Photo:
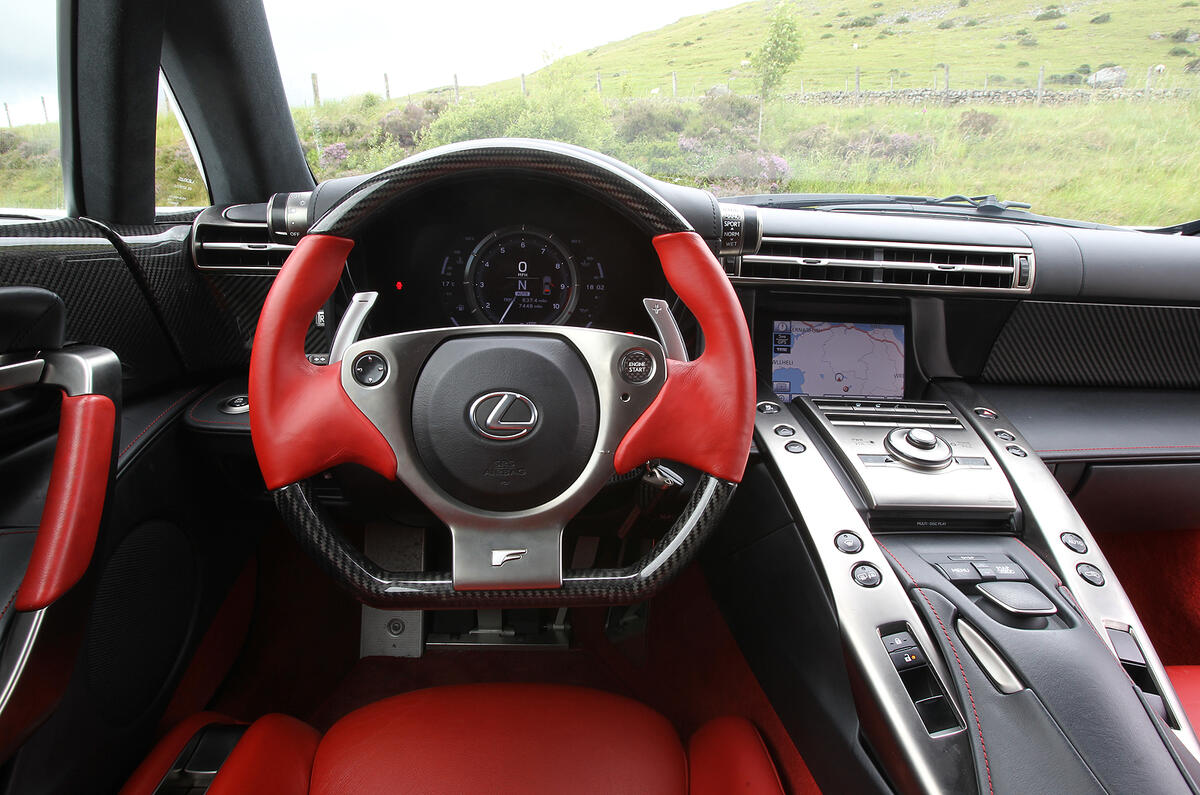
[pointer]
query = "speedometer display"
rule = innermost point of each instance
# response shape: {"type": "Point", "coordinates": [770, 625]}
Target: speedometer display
{"type": "Point", "coordinates": [520, 275]}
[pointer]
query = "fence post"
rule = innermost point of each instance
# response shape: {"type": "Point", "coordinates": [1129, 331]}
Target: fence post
{"type": "Point", "coordinates": [985, 82]}
{"type": "Point", "coordinates": [674, 85]}
{"type": "Point", "coordinates": [45, 114]}
{"type": "Point", "coordinates": [316, 90]}
{"type": "Point", "coordinates": [858, 84]}
{"type": "Point", "coordinates": [387, 89]}
{"type": "Point", "coordinates": [598, 89]}
{"type": "Point", "coordinates": [456, 89]}
{"type": "Point", "coordinates": [947, 87]}
{"type": "Point", "coordinates": [6, 116]}
{"type": "Point", "coordinates": [524, 93]}
{"type": "Point", "coordinates": [1041, 83]}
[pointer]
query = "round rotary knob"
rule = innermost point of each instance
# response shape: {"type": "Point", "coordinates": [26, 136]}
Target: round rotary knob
{"type": "Point", "coordinates": [921, 438]}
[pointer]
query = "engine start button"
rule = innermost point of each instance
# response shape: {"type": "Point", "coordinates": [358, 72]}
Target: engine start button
{"type": "Point", "coordinates": [636, 366]}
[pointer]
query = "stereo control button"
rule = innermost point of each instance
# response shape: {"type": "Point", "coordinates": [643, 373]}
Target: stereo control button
{"type": "Point", "coordinates": [369, 369]}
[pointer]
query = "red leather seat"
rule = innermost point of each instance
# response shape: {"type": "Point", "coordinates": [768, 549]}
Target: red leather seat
{"type": "Point", "coordinates": [1186, 681]}
{"type": "Point", "coordinates": [484, 738]}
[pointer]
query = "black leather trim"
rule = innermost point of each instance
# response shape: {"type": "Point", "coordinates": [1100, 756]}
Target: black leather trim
{"type": "Point", "coordinates": [205, 415]}
{"type": "Point", "coordinates": [16, 545]}
{"type": "Point", "coordinates": [141, 422]}
{"type": "Point", "coordinates": [1084, 694]}
{"type": "Point", "coordinates": [1065, 424]}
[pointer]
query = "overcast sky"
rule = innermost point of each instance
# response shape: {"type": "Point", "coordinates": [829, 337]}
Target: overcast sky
{"type": "Point", "coordinates": [350, 44]}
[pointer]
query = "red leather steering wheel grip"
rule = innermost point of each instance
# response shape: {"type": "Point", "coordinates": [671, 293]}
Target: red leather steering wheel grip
{"type": "Point", "coordinates": [704, 416]}
{"type": "Point", "coordinates": [301, 420]}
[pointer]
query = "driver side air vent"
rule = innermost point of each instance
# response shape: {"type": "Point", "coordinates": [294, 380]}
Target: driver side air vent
{"type": "Point", "coordinates": [230, 241]}
{"type": "Point", "coordinates": [911, 266]}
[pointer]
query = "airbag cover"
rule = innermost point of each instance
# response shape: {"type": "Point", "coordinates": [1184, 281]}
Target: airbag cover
{"type": "Point", "coordinates": [505, 422]}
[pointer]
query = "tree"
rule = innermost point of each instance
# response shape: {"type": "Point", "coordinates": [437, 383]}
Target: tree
{"type": "Point", "coordinates": [779, 51]}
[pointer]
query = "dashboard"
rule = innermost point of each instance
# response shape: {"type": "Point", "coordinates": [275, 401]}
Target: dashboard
{"type": "Point", "coordinates": [506, 250]}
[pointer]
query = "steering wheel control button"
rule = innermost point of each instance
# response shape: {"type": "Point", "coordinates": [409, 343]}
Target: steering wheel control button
{"type": "Point", "coordinates": [237, 404]}
{"type": "Point", "coordinates": [767, 407]}
{"type": "Point", "coordinates": [866, 575]}
{"type": "Point", "coordinates": [907, 658]}
{"type": "Point", "coordinates": [795, 447]}
{"type": "Point", "coordinates": [921, 438]}
{"type": "Point", "coordinates": [636, 366]}
{"type": "Point", "coordinates": [1091, 574]}
{"type": "Point", "coordinates": [1017, 451]}
{"type": "Point", "coordinates": [785, 430]}
{"type": "Point", "coordinates": [369, 369]}
{"type": "Point", "coordinates": [848, 542]}
{"type": "Point", "coordinates": [919, 447]}
{"type": "Point", "coordinates": [987, 414]}
{"type": "Point", "coordinates": [897, 641]}
{"type": "Point", "coordinates": [1005, 436]}
{"type": "Point", "coordinates": [1075, 543]}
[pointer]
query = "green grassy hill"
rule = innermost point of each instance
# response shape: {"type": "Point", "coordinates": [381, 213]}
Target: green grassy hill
{"type": "Point", "coordinates": [903, 43]}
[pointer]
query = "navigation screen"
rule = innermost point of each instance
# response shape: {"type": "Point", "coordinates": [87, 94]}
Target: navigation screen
{"type": "Point", "coordinates": [824, 359]}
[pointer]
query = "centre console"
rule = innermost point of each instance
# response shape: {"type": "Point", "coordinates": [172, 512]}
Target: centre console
{"type": "Point", "coordinates": [985, 642]}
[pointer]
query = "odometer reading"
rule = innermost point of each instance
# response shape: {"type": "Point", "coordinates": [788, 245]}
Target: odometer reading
{"type": "Point", "coordinates": [520, 275]}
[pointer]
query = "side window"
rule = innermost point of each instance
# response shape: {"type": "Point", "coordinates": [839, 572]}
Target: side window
{"type": "Point", "coordinates": [178, 181]}
{"type": "Point", "coordinates": [30, 164]}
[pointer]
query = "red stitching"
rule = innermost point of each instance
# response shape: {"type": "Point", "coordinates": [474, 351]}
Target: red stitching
{"type": "Point", "coordinates": [16, 532]}
{"type": "Point", "coordinates": [10, 601]}
{"type": "Point", "coordinates": [154, 421]}
{"type": "Point", "coordinates": [961, 671]}
{"type": "Point", "coordinates": [192, 412]}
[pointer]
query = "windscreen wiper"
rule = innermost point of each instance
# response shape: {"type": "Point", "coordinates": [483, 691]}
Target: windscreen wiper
{"type": "Point", "coordinates": [1187, 229]}
{"type": "Point", "coordinates": [984, 204]}
{"type": "Point", "coordinates": [795, 201]}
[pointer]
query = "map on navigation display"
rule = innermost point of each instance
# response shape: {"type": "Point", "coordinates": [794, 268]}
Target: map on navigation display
{"type": "Point", "coordinates": [826, 359]}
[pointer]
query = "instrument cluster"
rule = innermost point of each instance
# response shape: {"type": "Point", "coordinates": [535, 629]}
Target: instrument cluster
{"type": "Point", "coordinates": [507, 251]}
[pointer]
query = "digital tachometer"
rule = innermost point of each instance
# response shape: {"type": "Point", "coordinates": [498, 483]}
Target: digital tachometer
{"type": "Point", "coordinates": [520, 275]}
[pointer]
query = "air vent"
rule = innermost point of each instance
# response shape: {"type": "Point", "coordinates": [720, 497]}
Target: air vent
{"type": "Point", "coordinates": [912, 266]}
{"type": "Point", "coordinates": [219, 243]}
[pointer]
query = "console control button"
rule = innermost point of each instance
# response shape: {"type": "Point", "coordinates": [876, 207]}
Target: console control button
{"type": "Point", "coordinates": [795, 447]}
{"type": "Point", "coordinates": [959, 572]}
{"type": "Point", "coordinates": [987, 414]}
{"type": "Point", "coordinates": [866, 575]}
{"type": "Point", "coordinates": [907, 658]}
{"type": "Point", "coordinates": [1007, 570]}
{"type": "Point", "coordinates": [636, 366]}
{"type": "Point", "coordinates": [1005, 436]}
{"type": "Point", "coordinates": [918, 447]}
{"type": "Point", "coordinates": [1075, 543]}
{"type": "Point", "coordinates": [1018, 598]}
{"type": "Point", "coordinates": [986, 571]}
{"type": "Point", "coordinates": [848, 542]}
{"type": "Point", "coordinates": [898, 640]}
{"type": "Point", "coordinates": [1017, 451]}
{"type": "Point", "coordinates": [922, 438]}
{"type": "Point", "coordinates": [785, 430]}
{"type": "Point", "coordinates": [767, 407]}
{"type": "Point", "coordinates": [1090, 573]}
{"type": "Point", "coordinates": [369, 369]}
{"type": "Point", "coordinates": [238, 404]}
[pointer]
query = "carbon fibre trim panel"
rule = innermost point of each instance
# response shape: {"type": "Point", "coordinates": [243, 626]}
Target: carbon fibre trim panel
{"type": "Point", "coordinates": [1097, 345]}
{"type": "Point", "coordinates": [105, 306]}
{"type": "Point", "coordinates": [638, 201]}
{"type": "Point", "coordinates": [433, 590]}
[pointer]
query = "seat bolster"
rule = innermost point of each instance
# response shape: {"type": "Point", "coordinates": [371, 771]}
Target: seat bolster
{"type": "Point", "coordinates": [1186, 681]}
{"type": "Point", "coordinates": [274, 755]}
{"type": "Point", "coordinates": [727, 755]}
{"type": "Point", "coordinates": [152, 769]}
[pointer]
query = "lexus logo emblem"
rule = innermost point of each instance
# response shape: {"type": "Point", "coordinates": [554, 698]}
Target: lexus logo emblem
{"type": "Point", "coordinates": [503, 415]}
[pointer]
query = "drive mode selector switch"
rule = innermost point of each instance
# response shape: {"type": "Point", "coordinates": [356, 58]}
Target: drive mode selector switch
{"type": "Point", "coordinates": [919, 447]}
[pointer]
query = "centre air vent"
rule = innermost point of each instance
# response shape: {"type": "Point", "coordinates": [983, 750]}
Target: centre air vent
{"type": "Point", "coordinates": [913, 266]}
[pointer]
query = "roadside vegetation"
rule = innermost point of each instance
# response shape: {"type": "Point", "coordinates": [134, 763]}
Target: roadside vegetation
{"type": "Point", "coordinates": [862, 110]}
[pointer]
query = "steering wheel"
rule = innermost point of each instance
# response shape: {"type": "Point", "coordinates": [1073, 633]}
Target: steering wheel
{"type": "Point", "coordinates": [503, 432]}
